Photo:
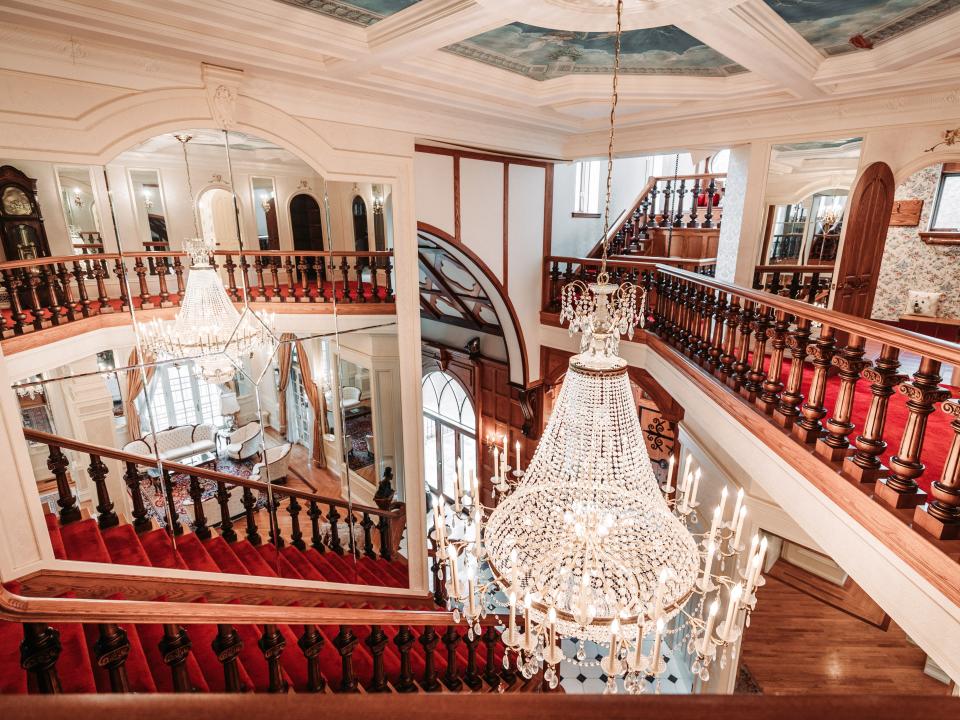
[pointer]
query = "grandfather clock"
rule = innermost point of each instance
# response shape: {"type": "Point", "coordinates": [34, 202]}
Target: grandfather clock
{"type": "Point", "coordinates": [21, 223]}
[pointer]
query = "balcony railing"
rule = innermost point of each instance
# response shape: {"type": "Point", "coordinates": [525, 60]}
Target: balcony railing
{"type": "Point", "coordinates": [808, 283]}
{"type": "Point", "coordinates": [50, 291]}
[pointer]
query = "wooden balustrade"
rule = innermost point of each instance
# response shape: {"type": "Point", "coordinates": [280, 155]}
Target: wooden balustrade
{"type": "Point", "coordinates": [50, 291]}
{"type": "Point", "coordinates": [687, 202]}
{"type": "Point", "coordinates": [809, 283]}
{"type": "Point", "coordinates": [278, 499]}
{"type": "Point", "coordinates": [742, 337]}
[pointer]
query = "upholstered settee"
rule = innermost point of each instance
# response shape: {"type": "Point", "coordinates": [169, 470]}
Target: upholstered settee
{"type": "Point", "coordinates": [176, 443]}
{"type": "Point", "coordinates": [274, 466]}
{"type": "Point", "coordinates": [244, 442]}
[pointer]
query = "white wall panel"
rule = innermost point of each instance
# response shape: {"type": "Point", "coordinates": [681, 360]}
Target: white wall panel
{"type": "Point", "coordinates": [433, 190]}
{"type": "Point", "coordinates": [525, 232]}
{"type": "Point", "coordinates": [481, 211]}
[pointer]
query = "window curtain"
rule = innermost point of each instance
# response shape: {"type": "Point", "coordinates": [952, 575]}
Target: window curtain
{"type": "Point", "coordinates": [134, 388]}
{"type": "Point", "coordinates": [317, 404]}
{"type": "Point", "coordinates": [284, 361]}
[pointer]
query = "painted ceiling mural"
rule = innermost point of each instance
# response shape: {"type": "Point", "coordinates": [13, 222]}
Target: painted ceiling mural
{"type": "Point", "coordinates": [359, 12]}
{"type": "Point", "coordinates": [541, 53]}
{"type": "Point", "coordinates": [829, 25]}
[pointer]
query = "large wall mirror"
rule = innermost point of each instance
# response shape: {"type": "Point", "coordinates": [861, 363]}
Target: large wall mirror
{"type": "Point", "coordinates": [806, 198]}
{"type": "Point", "coordinates": [285, 430]}
{"type": "Point", "coordinates": [78, 199]}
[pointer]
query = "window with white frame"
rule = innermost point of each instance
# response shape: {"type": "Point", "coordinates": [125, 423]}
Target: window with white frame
{"type": "Point", "coordinates": [178, 397]}
{"type": "Point", "coordinates": [946, 207]}
{"type": "Point", "coordinates": [587, 198]}
{"type": "Point", "coordinates": [298, 408]}
{"type": "Point", "coordinates": [449, 432]}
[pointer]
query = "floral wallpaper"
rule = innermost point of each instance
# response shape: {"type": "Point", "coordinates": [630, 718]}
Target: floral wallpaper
{"type": "Point", "coordinates": [911, 264]}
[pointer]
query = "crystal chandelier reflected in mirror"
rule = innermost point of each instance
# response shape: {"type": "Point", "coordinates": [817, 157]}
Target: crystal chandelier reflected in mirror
{"type": "Point", "coordinates": [208, 329]}
{"type": "Point", "coordinates": [585, 543]}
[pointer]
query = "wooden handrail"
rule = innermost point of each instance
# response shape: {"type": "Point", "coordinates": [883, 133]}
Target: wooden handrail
{"type": "Point", "coordinates": [941, 350]}
{"type": "Point", "coordinates": [822, 268]}
{"type": "Point", "coordinates": [54, 259]}
{"type": "Point", "coordinates": [644, 263]}
{"type": "Point", "coordinates": [200, 472]}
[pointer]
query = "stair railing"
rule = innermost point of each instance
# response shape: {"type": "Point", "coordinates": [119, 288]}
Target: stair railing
{"type": "Point", "coordinates": [314, 506]}
{"type": "Point", "coordinates": [807, 283]}
{"type": "Point", "coordinates": [49, 291]}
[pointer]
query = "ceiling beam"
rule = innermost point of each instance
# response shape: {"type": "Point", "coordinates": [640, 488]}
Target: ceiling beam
{"type": "Point", "coordinates": [450, 294]}
{"type": "Point", "coordinates": [754, 36]}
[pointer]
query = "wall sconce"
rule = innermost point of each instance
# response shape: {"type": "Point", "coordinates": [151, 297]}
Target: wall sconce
{"type": "Point", "coordinates": [77, 197]}
{"type": "Point", "coordinates": [147, 199]}
{"type": "Point", "coordinates": [378, 199]}
{"type": "Point", "coordinates": [266, 201]}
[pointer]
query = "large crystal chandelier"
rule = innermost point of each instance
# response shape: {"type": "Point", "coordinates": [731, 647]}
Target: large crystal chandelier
{"type": "Point", "coordinates": [585, 543]}
{"type": "Point", "coordinates": [208, 328]}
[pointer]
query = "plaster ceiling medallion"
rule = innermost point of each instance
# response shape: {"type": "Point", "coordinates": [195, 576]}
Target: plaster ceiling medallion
{"type": "Point", "coordinates": [594, 15]}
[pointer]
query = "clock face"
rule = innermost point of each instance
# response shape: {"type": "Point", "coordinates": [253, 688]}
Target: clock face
{"type": "Point", "coordinates": [15, 201]}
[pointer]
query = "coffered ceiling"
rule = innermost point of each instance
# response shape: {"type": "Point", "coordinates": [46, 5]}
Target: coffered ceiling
{"type": "Point", "coordinates": [545, 64]}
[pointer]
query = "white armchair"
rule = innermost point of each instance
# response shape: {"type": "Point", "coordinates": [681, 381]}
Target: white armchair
{"type": "Point", "coordinates": [276, 462]}
{"type": "Point", "coordinates": [244, 442]}
{"type": "Point", "coordinates": [349, 396]}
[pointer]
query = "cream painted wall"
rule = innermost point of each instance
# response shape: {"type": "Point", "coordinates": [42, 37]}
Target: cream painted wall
{"type": "Point", "coordinates": [481, 210]}
{"type": "Point", "coordinates": [525, 232]}
{"type": "Point", "coordinates": [433, 175]}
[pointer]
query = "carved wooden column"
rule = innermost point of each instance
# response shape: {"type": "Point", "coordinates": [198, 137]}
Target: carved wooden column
{"type": "Point", "coordinates": [472, 674]}
{"type": "Point", "coordinates": [788, 409]}
{"type": "Point", "coordinates": [227, 645]}
{"type": "Point", "coordinates": [404, 642]}
{"type": "Point", "coordinates": [899, 489]}
{"type": "Point", "coordinates": [311, 643]}
{"type": "Point", "coordinates": [39, 652]}
{"type": "Point", "coordinates": [808, 428]}
{"type": "Point", "coordinates": [429, 640]}
{"type": "Point", "coordinates": [744, 330]}
{"type": "Point", "coordinates": [175, 647]}
{"type": "Point", "coordinates": [315, 513]}
{"type": "Point", "coordinates": [754, 382]}
{"type": "Point", "coordinates": [176, 528]}
{"type": "Point", "coordinates": [714, 348]}
{"type": "Point", "coordinates": [57, 463]}
{"type": "Point", "coordinates": [377, 642]}
{"type": "Point", "coordinates": [200, 528]}
{"type": "Point", "coordinates": [111, 650]}
{"type": "Point", "coordinates": [771, 387]}
{"type": "Point", "coordinates": [731, 318]}
{"type": "Point", "coordinates": [332, 517]}
{"type": "Point", "coordinates": [490, 637]}
{"type": "Point", "coordinates": [271, 644]}
{"type": "Point", "coordinates": [941, 517]}
{"type": "Point", "coordinates": [834, 445]}
{"type": "Point", "coordinates": [133, 478]}
{"type": "Point", "coordinates": [226, 522]}
{"type": "Point", "coordinates": [345, 642]}
{"type": "Point", "coordinates": [451, 678]}
{"type": "Point", "coordinates": [864, 466]}
{"type": "Point", "coordinates": [106, 517]}
{"type": "Point", "coordinates": [249, 508]}
{"type": "Point", "coordinates": [296, 535]}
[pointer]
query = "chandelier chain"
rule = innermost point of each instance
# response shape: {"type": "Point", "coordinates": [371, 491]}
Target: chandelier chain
{"type": "Point", "coordinates": [613, 115]}
{"type": "Point", "coordinates": [184, 139]}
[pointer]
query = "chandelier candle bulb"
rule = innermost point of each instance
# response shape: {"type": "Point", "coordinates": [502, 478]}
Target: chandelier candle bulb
{"type": "Point", "coordinates": [715, 524]}
{"type": "Point", "coordinates": [638, 648]}
{"type": "Point", "coordinates": [686, 464]}
{"type": "Point", "coordinates": [728, 628]}
{"type": "Point", "coordinates": [739, 530]}
{"type": "Point", "coordinates": [670, 464]}
{"type": "Point", "coordinates": [736, 507]}
{"type": "Point", "coordinates": [707, 643]}
{"type": "Point", "coordinates": [751, 575]}
{"type": "Point", "coordinates": [529, 636]}
{"type": "Point", "coordinates": [696, 488]}
{"type": "Point", "coordinates": [708, 566]}
{"type": "Point", "coordinates": [723, 503]}
{"type": "Point", "coordinates": [471, 591]}
{"type": "Point", "coordinates": [513, 616]}
{"type": "Point", "coordinates": [518, 455]}
{"type": "Point", "coordinates": [453, 560]}
{"type": "Point", "coordinates": [655, 659]}
{"type": "Point", "coordinates": [761, 556]}
{"type": "Point", "coordinates": [496, 462]}
{"type": "Point", "coordinates": [474, 488]}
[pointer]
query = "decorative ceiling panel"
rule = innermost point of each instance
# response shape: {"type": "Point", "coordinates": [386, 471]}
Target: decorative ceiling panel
{"type": "Point", "coordinates": [358, 12]}
{"type": "Point", "coordinates": [541, 53]}
{"type": "Point", "coordinates": [836, 27]}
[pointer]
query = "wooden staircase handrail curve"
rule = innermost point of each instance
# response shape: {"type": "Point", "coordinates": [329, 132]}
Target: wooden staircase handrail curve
{"type": "Point", "coordinates": [825, 268]}
{"type": "Point", "coordinates": [622, 217]}
{"type": "Point", "coordinates": [647, 263]}
{"type": "Point", "coordinates": [154, 255]}
{"type": "Point", "coordinates": [148, 460]}
{"type": "Point", "coordinates": [934, 348]}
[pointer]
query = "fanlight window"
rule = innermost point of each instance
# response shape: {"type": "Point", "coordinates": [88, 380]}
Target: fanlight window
{"type": "Point", "coordinates": [449, 433]}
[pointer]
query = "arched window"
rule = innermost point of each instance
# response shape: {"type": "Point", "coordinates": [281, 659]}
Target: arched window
{"type": "Point", "coordinates": [449, 433]}
{"type": "Point", "coordinates": [361, 235]}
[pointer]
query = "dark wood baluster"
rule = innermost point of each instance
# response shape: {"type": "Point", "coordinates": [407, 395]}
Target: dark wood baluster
{"type": "Point", "coordinates": [941, 517]}
{"type": "Point", "coordinates": [358, 266]}
{"type": "Point", "coordinates": [472, 674]}
{"type": "Point", "coordinates": [133, 479]}
{"type": "Point", "coordinates": [106, 517]}
{"type": "Point", "coordinates": [754, 381]}
{"type": "Point", "coordinates": [834, 446]}
{"type": "Point", "coordinates": [375, 280]}
{"type": "Point", "coordinates": [715, 347]}
{"type": "Point", "coordinates": [17, 317]}
{"type": "Point", "coordinates": [684, 302]}
{"type": "Point", "coordinates": [899, 489]}
{"type": "Point", "coordinates": [731, 318]}
{"type": "Point", "coordinates": [757, 280]}
{"type": "Point", "coordinates": [772, 385]}
{"type": "Point", "coordinates": [451, 678]}
{"type": "Point", "coordinates": [438, 570]}
{"type": "Point", "coordinates": [377, 642]}
{"type": "Point", "coordinates": [231, 267]}
{"type": "Point", "coordinates": [708, 216]}
{"type": "Point", "coordinates": [404, 642]}
{"type": "Point", "coordinates": [367, 524]}
{"type": "Point", "coordinates": [701, 349]}
{"type": "Point", "coordinates": [693, 222]}
{"type": "Point", "coordinates": [178, 274]}
{"type": "Point", "coordinates": [249, 508]}
{"type": "Point", "coordinates": [103, 299]}
{"type": "Point", "coordinates": [303, 279]}
{"type": "Point", "coordinates": [429, 640]}
{"type": "Point", "coordinates": [275, 276]}
{"type": "Point", "coordinates": [865, 466]}
{"type": "Point", "coordinates": [744, 330]}
{"type": "Point", "coordinates": [162, 270]}
{"type": "Point", "coordinates": [788, 409]}
{"type": "Point", "coordinates": [120, 271]}
{"type": "Point", "coordinates": [291, 287]}
{"type": "Point", "coordinates": [57, 464]}
{"type": "Point", "coordinates": [346, 295]}
{"type": "Point", "coordinates": [79, 277]}
{"type": "Point", "coordinates": [352, 534]}
{"type": "Point", "coordinates": [258, 269]}
{"type": "Point", "coordinates": [200, 528]}
{"type": "Point", "coordinates": [383, 528]}
{"type": "Point", "coordinates": [272, 644]}
{"type": "Point", "coordinates": [226, 522]}
{"type": "Point", "coordinates": [141, 270]}
{"type": "Point", "coordinates": [273, 504]}
{"type": "Point", "coordinates": [681, 194]}
{"type": "Point", "coordinates": [316, 540]}
{"type": "Point", "coordinates": [36, 307]}
{"type": "Point", "coordinates": [39, 653]}
{"type": "Point", "coordinates": [311, 643]}
{"type": "Point", "coordinates": [345, 642]}
{"type": "Point", "coordinates": [775, 285]}
{"type": "Point", "coordinates": [490, 674]}
{"type": "Point", "coordinates": [245, 277]}
{"type": "Point", "coordinates": [175, 646]}
{"type": "Point", "coordinates": [111, 650]}
{"type": "Point", "coordinates": [795, 286]}
{"type": "Point", "coordinates": [332, 517]}
{"type": "Point", "coordinates": [227, 645]}
{"type": "Point", "coordinates": [177, 528]}
{"type": "Point", "coordinates": [296, 535]}
{"type": "Point", "coordinates": [50, 286]}
{"type": "Point", "coordinates": [324, 293]}
{"type": "Point", "coordinates": [808, 428]}
{"type": "Point", "coordinates": [666, 213]}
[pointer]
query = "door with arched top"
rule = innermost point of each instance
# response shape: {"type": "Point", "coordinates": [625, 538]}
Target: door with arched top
{"type": "Point", "coordinates": [868, 218]}
{"type": "Point", "coordinates": [306, 221]}
{"type": "Point", "coordinates": [361, 234]}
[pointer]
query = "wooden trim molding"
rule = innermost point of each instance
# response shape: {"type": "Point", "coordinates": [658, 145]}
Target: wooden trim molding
{"type": "Point", "coordinates": [940, 237]}
{"type": "Point", "coordinates": [470, 154]}
{"type": "Point", "coordinates": [456, 200]}
{"type": "Point", "coordinates": [506, 226]}
{"type": "Point", "coordinates": [592, 216]}
{"type": "Point", "coordinates": [548, 211]}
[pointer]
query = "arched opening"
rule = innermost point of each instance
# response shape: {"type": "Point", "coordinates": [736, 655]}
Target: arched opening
{"type": "Point", "coordinates": [361, 234]}
{"type": "Point", "coordinates": [217, 216]}
{"type": "Point", "coordinates": [306, 223]}
{"type": "Point", "coordinates": [449, 434]}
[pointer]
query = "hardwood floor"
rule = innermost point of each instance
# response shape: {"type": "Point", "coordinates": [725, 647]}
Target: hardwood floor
{"type": "Point", "coordinates": [797, 644]}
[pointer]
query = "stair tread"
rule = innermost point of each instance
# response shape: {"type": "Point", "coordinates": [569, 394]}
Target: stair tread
{"type": "Point", "coordinates": [124, 546]}
{"type": "Point", "coordinates": [12, 678]}
{"type": "Point", "coordinates": [253, 561]}
{"type": "Point", "coordinates": [139, 677]}
{"type": "Point", "coordinates": [56, 539]}
{"type": "Point", "coordinates": [82, 540]}
{"type": "Point", "coordinates": [73, 666]}
{"type": "Point", "coordinates": [223, 555]}
{"type": "Point", "coordinates": [159, 549]}
{"type": "Point", "coordinates": [150, 636]}
{"type": "Point", "coordinates": [195, 555]}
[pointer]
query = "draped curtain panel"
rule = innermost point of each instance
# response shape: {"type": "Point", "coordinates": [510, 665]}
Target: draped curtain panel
{"type": "Point", "coordinates": [134, 388]}
{"type": "Point", "coordinates": [317, 404]}
{"type": "Point", "coordinates": [284, 361]}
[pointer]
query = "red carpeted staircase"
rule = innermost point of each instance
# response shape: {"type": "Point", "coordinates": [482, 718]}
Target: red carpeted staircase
{"type": "Point", "coordinates": [146, 667]}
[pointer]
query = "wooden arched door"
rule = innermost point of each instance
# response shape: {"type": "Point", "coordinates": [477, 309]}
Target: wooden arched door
{"type": "Point", "coordinates": [306, 221]}
{"type": "Point", "coordinates": [868, 217]}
